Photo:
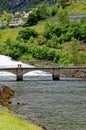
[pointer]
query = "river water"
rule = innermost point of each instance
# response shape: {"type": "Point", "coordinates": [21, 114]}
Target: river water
{"type": "Point", "coordinates": [57, 105]}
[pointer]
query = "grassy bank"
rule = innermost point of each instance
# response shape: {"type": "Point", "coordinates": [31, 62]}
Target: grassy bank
{"type": "Point", "coordinates": [11, 122]}
{"type": "Point", "coordinates": [12, 33]}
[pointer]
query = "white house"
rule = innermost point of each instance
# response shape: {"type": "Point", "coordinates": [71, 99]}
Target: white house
{"type": "Point", "coordinates": [16, 22]}
{"type": "Point", "coordinates": [76, 17]}
{"type": "Point", "coordinates": [26, 13]}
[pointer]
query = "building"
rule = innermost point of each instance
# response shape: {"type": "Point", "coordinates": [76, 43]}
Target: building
{"type": "Point", "coordinates": [16, 22]}
{"type": "Point", "coordinates": [26, 13]}
{"type": "Point", "coordinates": [76, 17]}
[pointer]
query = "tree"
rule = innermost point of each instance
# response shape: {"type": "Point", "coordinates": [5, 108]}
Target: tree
{"type": "Point", "coordinates": [14, 48]}
{"type": "Point", "coordinates": [62, 16]}
{"type": "Point", "coordinates": [75, 51]}
{"type": "Point", "coordinates": [26, 34]}
{"type": "Point", "coordinates": [62, 3]}
{"type": "Point", "coordinates": [7, 17]}
{"type": "Point", "coordinates": [41, 12]}
{"type": "Point", "coordinates": [38, 14]}
{"type": "Point", "coordinates": [83, 32]}
{"type": "Point", "coordinates": [54, 9]}
{"type": "Point", "coordinates": [32, 19]}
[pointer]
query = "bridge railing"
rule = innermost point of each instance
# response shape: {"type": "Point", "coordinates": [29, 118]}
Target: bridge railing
{"type": "Point", "coordinates": [27, 66]}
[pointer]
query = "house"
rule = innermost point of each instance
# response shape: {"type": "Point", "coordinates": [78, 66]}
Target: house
{"type": "Point", "coordinates": [17, 13]}
{"type": "Point", "coordinates": [16, 22]}
{"type": "Point", "coordinates": [26, 13]}
{"type": "Point", "coordinates": [76, 17]}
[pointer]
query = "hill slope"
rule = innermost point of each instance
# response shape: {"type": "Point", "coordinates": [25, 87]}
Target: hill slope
{"type": "Point", "coordinates": [10, 5]}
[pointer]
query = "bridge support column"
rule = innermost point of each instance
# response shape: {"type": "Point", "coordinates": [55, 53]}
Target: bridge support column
{"type": "Point", "coordinates": [19, 73]}
{"type": "Point", "coordinates": [55, 75]}
{"type": "Point", "coordinates": [19, 78]}
{"type": "Point", "coordinates": [84, 75]}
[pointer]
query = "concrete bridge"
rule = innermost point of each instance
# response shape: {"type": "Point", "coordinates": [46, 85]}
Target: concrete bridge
{"type": "Point", "coordinates": [55, 71]}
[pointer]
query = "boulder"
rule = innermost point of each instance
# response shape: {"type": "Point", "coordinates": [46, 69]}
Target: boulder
{"type": "Point", "coordinates": [5, 94]}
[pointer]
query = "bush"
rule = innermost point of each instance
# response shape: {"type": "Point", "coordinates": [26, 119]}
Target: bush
{"type": "Point", "coordinates": [14, 48]}
{"type": "Point", "coordinates": [26, 34]}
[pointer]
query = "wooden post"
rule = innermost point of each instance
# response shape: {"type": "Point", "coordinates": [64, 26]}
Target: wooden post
{"type": "Point", "coordinates": [19, 73]}
{"type": "Point", "coordinates": [55, 75]}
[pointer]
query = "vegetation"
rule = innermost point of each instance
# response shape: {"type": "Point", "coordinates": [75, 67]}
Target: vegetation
{"type": "Point", "coordinates": [38, 14]}
{"type": "Point", "coordinates": [26, 34]}
{"type": "Point", "coordinates": [11, 122]}
{"type": "Point", "coordinates": [57, 41]}
{"type": "Point", "coordinates": [76, 7]}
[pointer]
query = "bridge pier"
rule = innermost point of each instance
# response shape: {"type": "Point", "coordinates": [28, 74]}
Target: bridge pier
{"type": "Point", "coordinates": [19, 78]}
{"type": "Point", "coordinates": [55, 75]}
{"type": "Point", "coordinates": [19, 73]}
{"type": "Point", "coordinates": [84, 75]}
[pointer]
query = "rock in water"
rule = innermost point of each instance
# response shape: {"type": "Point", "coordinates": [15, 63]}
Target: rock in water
{"type": "Point", "coordinates": [5, 94]}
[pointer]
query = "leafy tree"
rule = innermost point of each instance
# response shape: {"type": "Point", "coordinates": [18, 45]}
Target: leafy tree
{"type": "Point", "coordinates": [54, 9]}
{"type": "Point", "coordinates": [51, 54]}
{"type": "Point", "coordinates": [48, 31]}
{"type": "Point", "coordinates": [26, 34]}
{"type": "Point", "coordinates": [38, 14]}
{"type": "Point", "coordinates": [7, 17]}
{"type": "Point", "coordinates": [75, 51]}
{"type": "Point", "coordinates": [14, 48]}
{"type": "Point", "coordinates": [53, 42]}
{"type": "Point", "coordinates": [41, 12]}
{"type": "Point", "coordinates": [83, 32]}
{"type": "Point", "coordinates": [32, 19]}
{"type": "Point", "coordinates": [63, 16]}
{"type": "Point", "coordinates": [62, 3]}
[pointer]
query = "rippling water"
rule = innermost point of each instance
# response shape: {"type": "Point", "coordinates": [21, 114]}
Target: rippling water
{"type": "Point", "coordinates": [57, 105]}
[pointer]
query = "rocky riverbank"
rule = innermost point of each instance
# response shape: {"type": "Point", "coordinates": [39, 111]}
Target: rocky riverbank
{"type": "Point", "coordinates": [5, 94]}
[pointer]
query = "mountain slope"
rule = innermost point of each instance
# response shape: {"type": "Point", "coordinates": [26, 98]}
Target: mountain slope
{"type": "Point", "coordinates": [14, 5]}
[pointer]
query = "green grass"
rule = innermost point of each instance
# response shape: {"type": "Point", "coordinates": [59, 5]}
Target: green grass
{"type": "Point", "coordinates": [38, 28]}
{"type": "Point", "coordinates": [12, 33]}
{"type": "Point", "coordinates": [9, 33]}
{"type": "Point", "coordinates": [77, 8]}
{"type": "Point", "coordinates": [11, 122]}
{"type": "Point", "coordinates": [48, 20]}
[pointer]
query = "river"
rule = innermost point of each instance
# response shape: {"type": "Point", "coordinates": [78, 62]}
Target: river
{"type": "Point", "coordinates": [57, 105]}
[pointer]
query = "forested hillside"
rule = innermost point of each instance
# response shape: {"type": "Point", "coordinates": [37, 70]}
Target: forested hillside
{"type": "Point", "coordinates": [14, 5]}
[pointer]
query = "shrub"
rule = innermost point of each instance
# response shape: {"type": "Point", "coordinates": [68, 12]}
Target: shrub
{"type": "Point", "coordinates": [14, 48]}
{"type": "Point", "coordinates": [26, 34]}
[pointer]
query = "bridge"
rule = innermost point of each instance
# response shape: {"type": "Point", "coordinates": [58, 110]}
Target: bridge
{"type": "Point", "coordinates": [55, 71]}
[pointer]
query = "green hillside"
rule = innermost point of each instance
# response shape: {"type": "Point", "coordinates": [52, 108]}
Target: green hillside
{"type": "Point", "coordinates": [62, 42]}
{"type": "Point", "coordinates": [76, 8]}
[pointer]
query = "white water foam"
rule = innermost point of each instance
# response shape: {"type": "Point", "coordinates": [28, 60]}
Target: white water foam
{"type": "Point", "coordinates": [6, 62]}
